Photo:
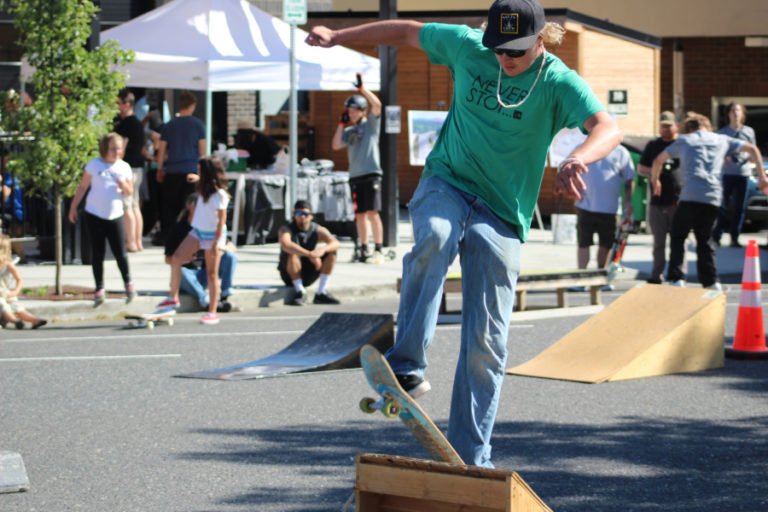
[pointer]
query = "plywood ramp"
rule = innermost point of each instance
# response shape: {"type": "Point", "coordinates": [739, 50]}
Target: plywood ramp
{"type": "Point", "coordinates": [650, 330]}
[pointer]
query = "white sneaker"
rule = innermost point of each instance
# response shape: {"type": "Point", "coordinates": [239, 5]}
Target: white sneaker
{"type": "Point", "coordinates": [377, 258]}
{"type": "Point", "coordinates": [716, 286]}
{"type": "Point", "coordinates": [680, 283]}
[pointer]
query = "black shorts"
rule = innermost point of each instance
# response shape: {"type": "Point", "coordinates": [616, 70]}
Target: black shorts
{"type": "Point", "coordinates": [366, 193]}
{"type": "Point", "coordinates": [309, 273]}
{"type": "Point", "coordinates": [589, 223]}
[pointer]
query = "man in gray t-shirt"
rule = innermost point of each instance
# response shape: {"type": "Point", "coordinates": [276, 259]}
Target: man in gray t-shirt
{"type": "Point", "coordinates": [701, 154]}
{"type": "Point", "coordinates": [358, 132]}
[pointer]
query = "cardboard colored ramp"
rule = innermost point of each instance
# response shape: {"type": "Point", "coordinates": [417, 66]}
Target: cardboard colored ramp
{"type": "Point", "coordinates": [331, 343]}
{"type": "Point", "coordinates": [650, 330]}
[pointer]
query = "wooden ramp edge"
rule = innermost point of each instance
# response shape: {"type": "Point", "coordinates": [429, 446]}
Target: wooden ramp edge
{"type": "Point", "coordinates": [650, 330]}
{"type": "Point", "coordinates": [390, 483]}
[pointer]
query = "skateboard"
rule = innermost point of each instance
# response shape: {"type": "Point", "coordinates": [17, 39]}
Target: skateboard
{"type": "Point", "coordinates": [149, 320]}
{"type": "Point", "coordinates": [617, 250]}
{"type": "Point", "coordinates": [395, 402]}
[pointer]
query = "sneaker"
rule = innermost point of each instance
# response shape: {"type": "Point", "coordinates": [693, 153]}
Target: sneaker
{"type": "Point", "coordinates": [41, 322]}
{"type": "Point", "coordinates": [413, 385]}
{"type": "Point", "coordinates": [652, 280]}
{"type": "Point", "coordinates": [377, 258]}
{"type": "Point", "coordinates": [680, 283]}
{"type": "Point", "coordinates": [130, 293]}
{"type": "Point", "coordinates": [325, 298]}
{"type": "Point", "coordinates": [98, 298]}
{"type": "Point", "coordinates": [19, 324]}
{"type": "Point", "coordinates": [299, 299]}
{"type": "Point", "coordinates": [715, 286]}
{"type": "Point", "coordinates": [210, 319]}
{"type": "Point", "coordinates": [223, 307]}
{"type": "Point", "coordinates": [168, 302]}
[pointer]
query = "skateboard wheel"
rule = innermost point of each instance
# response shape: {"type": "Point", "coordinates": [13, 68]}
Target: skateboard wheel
{"type": "Point", "coordinates": [391, 254]}
{"type": "Point", "coordinates": [391, 409]}
{"type": "Point", "coordinates": [365, 405]}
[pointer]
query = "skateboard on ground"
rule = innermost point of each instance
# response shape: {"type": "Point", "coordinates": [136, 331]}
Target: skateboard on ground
{"type": "Point", "coordinates": [149, 320]}
{"type": "Point", "coordinates": [617, 250]}
{"type": "Point", "coordinates": [395, 402]}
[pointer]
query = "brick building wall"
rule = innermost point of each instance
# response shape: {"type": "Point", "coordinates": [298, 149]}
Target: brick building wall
{"type": "Point", "coordinates": [241, 106]}
{"type": "Point", "coordinates": [712, 67]}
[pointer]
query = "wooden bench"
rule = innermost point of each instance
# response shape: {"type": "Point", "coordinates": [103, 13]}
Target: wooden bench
{"type": "Point", "coordinates": [558, 280]}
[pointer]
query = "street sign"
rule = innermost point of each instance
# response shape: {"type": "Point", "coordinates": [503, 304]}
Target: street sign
{"type": "Point", "coordinates": [295, 11]}
{"type": "Point", "coordinates": [618, 102]}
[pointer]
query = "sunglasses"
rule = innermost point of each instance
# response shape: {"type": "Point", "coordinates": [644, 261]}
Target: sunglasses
{"type": "Point", "coordinates": [303, 214]}
{"type": "Point", "coordinates": [512, 54]}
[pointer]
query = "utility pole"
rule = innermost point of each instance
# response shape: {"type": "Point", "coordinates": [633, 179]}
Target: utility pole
{"type": "Point", "coordinates": [388, 141]}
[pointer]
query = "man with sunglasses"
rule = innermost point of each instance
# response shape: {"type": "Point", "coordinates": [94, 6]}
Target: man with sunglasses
{"type": "Point", "coordinates": [302, 261]}
{"type": "Point", "coordinates": [479, 189]}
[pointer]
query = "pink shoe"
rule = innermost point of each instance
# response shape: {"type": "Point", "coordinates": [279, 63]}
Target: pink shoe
{"type": "Point", "coordinates": [210, 319]}
{"type": "Point", "coordinates": [169, 303]}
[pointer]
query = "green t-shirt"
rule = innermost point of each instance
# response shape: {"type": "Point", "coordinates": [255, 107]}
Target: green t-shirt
{"type": "Point", "coordinates": [493, 153]}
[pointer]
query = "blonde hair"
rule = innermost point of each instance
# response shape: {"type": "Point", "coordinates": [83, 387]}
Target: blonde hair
{"type": "Point", "coordinates": [5, 249]}
{"type": "Point", "coordinates": [105, 140]}
{"type": "Point", "coordinates": [552, 33]}
{"type": "Point", "coordinates": [695, 121]}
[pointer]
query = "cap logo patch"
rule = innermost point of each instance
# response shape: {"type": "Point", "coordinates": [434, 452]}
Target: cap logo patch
{"type": "Point", "coordinates": [509, 23]}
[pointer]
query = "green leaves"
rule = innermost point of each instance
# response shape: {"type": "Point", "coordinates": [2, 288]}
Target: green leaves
{"type": "Point", "coordinates": [75, 92]}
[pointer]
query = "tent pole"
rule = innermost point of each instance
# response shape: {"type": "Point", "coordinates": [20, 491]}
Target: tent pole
{"type": "Point", "coordinates": [292, 124]}
{"type": "Point", "coordinates": [208, 120]}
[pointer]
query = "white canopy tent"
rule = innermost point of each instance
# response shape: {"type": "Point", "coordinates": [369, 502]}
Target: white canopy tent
{"type": "Point", "coordinates": [228, 45]}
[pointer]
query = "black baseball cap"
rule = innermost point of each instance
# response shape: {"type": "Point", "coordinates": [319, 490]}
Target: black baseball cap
{"type": "Point", "coordinates": [302, 204]}
{"type": "Point", "coordinates": [513, 24]}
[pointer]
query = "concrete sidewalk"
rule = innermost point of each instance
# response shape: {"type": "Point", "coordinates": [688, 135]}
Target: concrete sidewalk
{"type": "Point", "coordinates": [258, 284]}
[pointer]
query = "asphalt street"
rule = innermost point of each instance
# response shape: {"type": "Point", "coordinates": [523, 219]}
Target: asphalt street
{"type": "Point", "coordinates": [102, 424]}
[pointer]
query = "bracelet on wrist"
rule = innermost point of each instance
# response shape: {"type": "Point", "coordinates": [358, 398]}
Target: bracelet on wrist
{"type": "Point", "coordinates": [567, 161]}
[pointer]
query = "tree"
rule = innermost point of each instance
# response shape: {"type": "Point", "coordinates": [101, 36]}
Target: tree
{"type": "Point", "coordinates": [75, 98]}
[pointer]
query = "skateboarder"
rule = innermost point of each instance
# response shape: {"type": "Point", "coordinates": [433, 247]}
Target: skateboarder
{"type": "Point", "coordinates": [302, 261]}
{"type": "Point", "coordinates": [479, 188]}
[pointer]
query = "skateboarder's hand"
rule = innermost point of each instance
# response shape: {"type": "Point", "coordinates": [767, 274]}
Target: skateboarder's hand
{"type": "Point", "coordinates": [320, 36]}
{"type": "Point", "coordinates": [656, 187]}
{"type": "Point", "coordinates": [569, 180]}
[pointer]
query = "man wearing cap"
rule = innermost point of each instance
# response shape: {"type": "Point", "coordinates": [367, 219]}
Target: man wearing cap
{"type": "Point", "coordinates": [358, 131]}
{"type": "Point", "coordinates": [302, 260]}
{"type": "Point", "coordinates": [662, 207]}
{"type": "Point", "coordinates": [479, 189]}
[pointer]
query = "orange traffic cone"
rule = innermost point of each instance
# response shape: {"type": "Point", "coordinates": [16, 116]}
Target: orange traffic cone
{"type": "Point", "coordinates": [749, 340]}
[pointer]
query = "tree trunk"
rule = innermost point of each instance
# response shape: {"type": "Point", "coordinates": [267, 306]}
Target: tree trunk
{"type": "Point", "coordinates": [58, 236]}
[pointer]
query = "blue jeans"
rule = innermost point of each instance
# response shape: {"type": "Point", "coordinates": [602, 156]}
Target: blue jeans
{"type": "Point", "coordinates": [194, 282]}
{"type": "Point", "coordinates": [447, 222]}
{"type": "Point", "coordinates": [733, 186]}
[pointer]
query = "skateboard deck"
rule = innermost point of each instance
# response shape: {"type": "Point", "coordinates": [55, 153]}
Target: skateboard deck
{"type": "Point", "coordinates": [149, 320]}
{"type": "Point", "coordinates": [617, 250]}
{"type": "Point", "coordinates": [395, 402]}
